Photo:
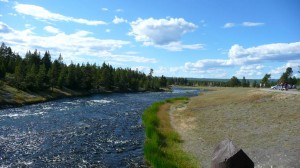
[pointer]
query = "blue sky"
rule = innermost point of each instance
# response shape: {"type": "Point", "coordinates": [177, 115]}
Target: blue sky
{"type": "Point", "coordinates": [182, 38]}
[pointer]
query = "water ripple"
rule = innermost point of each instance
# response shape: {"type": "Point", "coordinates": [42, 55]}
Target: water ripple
{"type": "Point", "coordinates": [97, 131]}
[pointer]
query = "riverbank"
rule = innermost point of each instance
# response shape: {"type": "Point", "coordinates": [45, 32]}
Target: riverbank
{"type": "Point", "coordinates": [264, 124]}
{"type": "Point", "coordinates": [12, 97]}
{"type": "Point", "coordinates": [162, 146]}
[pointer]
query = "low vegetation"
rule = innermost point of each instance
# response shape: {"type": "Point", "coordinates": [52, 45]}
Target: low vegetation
{"type": "Point", "coordinates": [264, 124]}
{"type": "Point", "coordinates": [163, 145]}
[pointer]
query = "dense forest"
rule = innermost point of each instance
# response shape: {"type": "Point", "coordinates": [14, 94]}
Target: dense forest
{"type": "Point", "coordinates": [36, 72]}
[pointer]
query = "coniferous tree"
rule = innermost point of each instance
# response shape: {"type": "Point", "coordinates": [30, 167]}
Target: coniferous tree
{"type": "Point", "coordinates": [163, 81]}
{"type": "Point", "coordinates": [248, 83]}
{"type": "Point", "coordinates": [61, 82]}
{"type": "Point", "coordinates": [46, 60]}
{"type": "Point", "coordinates": [53, 74]}
{"type": "Point", "coordinates": [20, 75]}
{"type": "Point", "coordinates": [42, 80]}
{"type": "Point", "coordinates": [2, 71]}
{"type": "Point", "coordinates": [71, 77]}
{"type": "Point", "coordinates": [286, 77]}
{"type": "Point", "coordinates": [36, 73]}
{"type": "Point", "coordinates": [244, 82]}
{"type": "Point", "coordinates": [106, 76]}
{"type": "Point", "coordinates": [234, 82]}
{"type": "Point", "coordinates": [265, 80]}
{"type": "Point", "coordinates": [31, 78]}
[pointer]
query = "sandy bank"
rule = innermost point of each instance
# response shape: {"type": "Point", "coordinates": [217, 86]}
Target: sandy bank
{"type": "Point", "coordinates": [264, 124]}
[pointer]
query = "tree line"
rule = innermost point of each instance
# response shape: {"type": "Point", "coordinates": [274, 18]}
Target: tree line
{"type": "Point", "coordinates": [39, 73]}
{"type": "Point", "coordinates": [35, 72]}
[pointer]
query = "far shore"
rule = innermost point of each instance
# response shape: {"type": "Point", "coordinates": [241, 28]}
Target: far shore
{"type": "Point", "coordinates": [264, 124]}
{"type": "Point", "coordinates": [12, 97]}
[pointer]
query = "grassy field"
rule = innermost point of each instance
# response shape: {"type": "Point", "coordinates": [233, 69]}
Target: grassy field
{"type": "Point", "coordinates": [162, 146]}
{"type": "Point", "coordinates": [264, 124]}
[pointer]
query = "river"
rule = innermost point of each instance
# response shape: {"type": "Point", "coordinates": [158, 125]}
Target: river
{"type": "Point", "coordinates": [103, 130]}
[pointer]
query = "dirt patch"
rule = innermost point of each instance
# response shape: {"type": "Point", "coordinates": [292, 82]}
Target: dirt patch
{"type": "Point", "coordinates": [264, 124]}
{"type": "Point", "coordinates": [178, 113]}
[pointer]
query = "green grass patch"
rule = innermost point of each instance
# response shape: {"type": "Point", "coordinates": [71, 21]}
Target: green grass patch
{"type": "Point", "coordinates": [162, 146]}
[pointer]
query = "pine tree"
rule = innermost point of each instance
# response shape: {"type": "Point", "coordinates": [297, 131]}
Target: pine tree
{"type": "Point", "coordinates": [53, 74]}
{"type": "Point", "coordinates": [254, 84]}
{"type": "Point", "coordinates": [234, 82]}
{"type": "Point", "coordinates": [71, 77]}
{"type": "Point", "coordinates": [106, 76]}
{"type": "Point", "coordinates": [2, 71]}
{"type": "Point", "coordinates": [286, 75]}
{"type": "Point", "coordinates": [163, 81]}
{"type": "Point", "coordinates": [265, 80]}
{"type": "Point", "coordinates": [42, 81]}
{"type": "Point", "coordinates": [20, 75]}
{"type": "Point", "coordinates": [31, 78]}
{"type": "Point", "coordinates": [244, 82]}
{"type": "Point", "coordinates": [46, 60]}
{"type": "Point", "coordinates": [61, 82]}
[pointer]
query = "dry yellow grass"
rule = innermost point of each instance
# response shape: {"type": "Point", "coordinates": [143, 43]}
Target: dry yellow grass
{"type": "Point", "coordinates": [264, 124]}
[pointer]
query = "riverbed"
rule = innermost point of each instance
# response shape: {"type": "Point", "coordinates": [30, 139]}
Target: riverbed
{"type": "Point", "coordinates": [103, 130]}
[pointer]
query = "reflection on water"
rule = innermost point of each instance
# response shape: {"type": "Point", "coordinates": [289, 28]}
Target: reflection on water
{"type": "Point", "coordinates": [101, 131]}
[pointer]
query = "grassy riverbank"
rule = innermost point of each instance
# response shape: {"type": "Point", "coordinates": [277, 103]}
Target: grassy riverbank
{"type": "Point", "coordinates": [264, 124]}
{"type": "Point", "coordinates": [163, 145]}
{"type": "Point", "coordinates": [10, 96]}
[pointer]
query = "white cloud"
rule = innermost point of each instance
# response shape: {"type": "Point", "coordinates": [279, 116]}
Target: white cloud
{"type": "Point", "coordinates": [213, 68]}
{"type": "Point", "coordinates": [250, 59]}
{"type": "Point", "coordinates": [204, 64]}
{"type": "Point", "coordinates": [51, 29]}
{"type": "Point", "coordinates": [229, 25]}
{"type": "Point", "coordinates": [131, 53]}
{"type": "Point", "coordinates": [277, 52]}
{"type": "Point", "coordinates": [160, 31]}
{"type": "Point", "coordinates": [43, 14]}
{"type": "Point", "coordinates": [118, 20]}
{"type": "Point", "coordinates": [252, 24]}
{"type": "Point", "coordinates": [177, 46]}
{"type": "Point", "coordinates": [203, 23]}
{"type": "Point", "coordinates": [28, 25]}
{"type": "Point", "coordinates": [1, 15]}
{"type": "Point", "coordinates": [104, 9]}
{"type": "Point", "coordinates": [244, 24]}
{"type": "Point", "coordinates": [277, 71]}
{"type": "Point", "coordinates": [75, 46]}
{"type": "Point", "coordinates": [144, 69]}
{"type": "Point", "coordinates": [168, 71]}
{"type": "Point", "coordinates": [107, 30]}
{"type": "Point", "coordinates": [126, 58]}
{"type": "Point", "coordinates": [163, 33]}
{"type": "Point", "coordinates": [119, 10]}
{"type": "Point", "coordinates": [3, 0]}
{"type": "Point", "coordinates": [250, 71]}
{"type": "Point", "coordinates": [12, 14]}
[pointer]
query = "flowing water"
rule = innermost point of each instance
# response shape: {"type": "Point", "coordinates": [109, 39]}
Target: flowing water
{"type": "Point", "coordinates": [103, 130]}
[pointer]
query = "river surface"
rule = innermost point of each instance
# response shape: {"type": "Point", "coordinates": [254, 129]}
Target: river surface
{"type": "Point", "coordinates": [102, 130]}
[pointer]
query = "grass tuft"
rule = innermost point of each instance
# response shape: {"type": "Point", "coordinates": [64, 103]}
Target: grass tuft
{"type": "Point", "coordinates": [162, 145]}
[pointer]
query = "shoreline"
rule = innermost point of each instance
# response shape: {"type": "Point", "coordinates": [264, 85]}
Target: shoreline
{"type": "Point", "coordinates": [163, 145]}
{"type": "Point", "coordinates": [11, 97]}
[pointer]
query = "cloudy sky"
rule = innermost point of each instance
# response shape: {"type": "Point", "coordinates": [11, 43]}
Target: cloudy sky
{"type": "Point", "coordinates": [182, 38]}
